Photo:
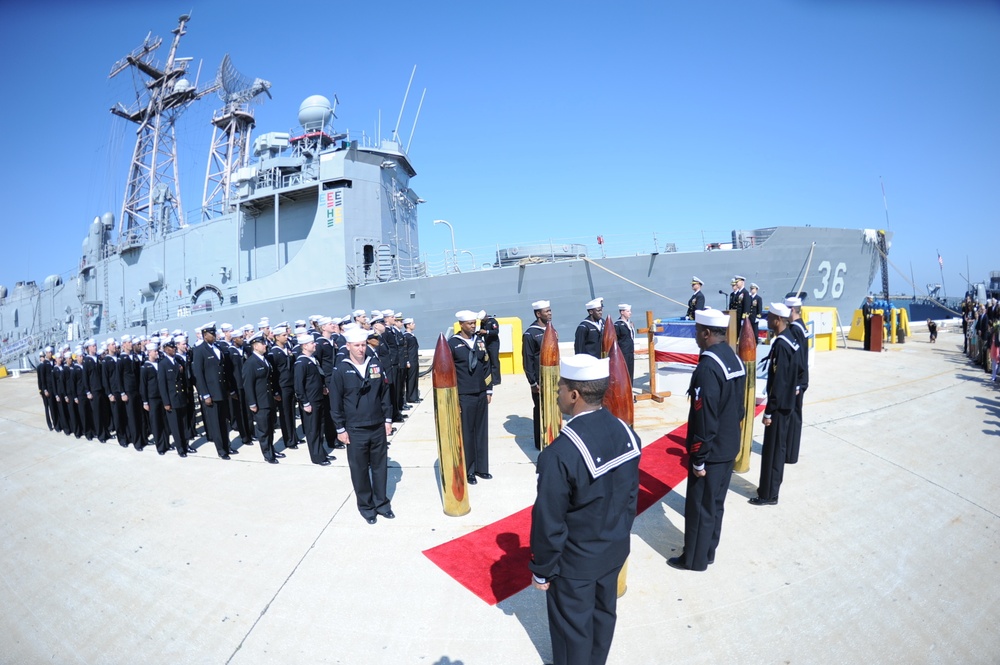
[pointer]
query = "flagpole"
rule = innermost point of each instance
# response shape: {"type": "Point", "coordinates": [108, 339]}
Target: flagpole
{"type": "Point", "coordinates": [941, 266]}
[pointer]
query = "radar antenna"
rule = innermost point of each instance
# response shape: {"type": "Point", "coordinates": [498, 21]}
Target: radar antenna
{"type": "Point", "coordinates": [152, 205]}
{"type": "Point", "coordinates": [230, 149]}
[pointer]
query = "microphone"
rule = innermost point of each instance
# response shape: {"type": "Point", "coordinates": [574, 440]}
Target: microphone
{"type": "Point", "coordinates": [722, 293]}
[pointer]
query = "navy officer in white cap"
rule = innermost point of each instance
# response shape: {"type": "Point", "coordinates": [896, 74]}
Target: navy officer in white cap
{"type": "Point", "coordinates": [697, 300]}
{"type": "Point", "coordinates": [782, 374]}
{"type": "Point", "coordinates": [588, 484]}
{"type": "Point", "coordinates": [713, 438]}
{"type": "Point", "coordinates": [531, 350]}
{"type": "Point", "coordinates": [591, 329]}
{"type": "Point", "coordinates": [625, 332]}
{"type": "Point", "coordinates": [475, 390]}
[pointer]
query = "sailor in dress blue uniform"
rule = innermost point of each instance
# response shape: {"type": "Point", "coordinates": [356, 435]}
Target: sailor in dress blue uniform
{"type": "Point", "coordinates": [591, 329]}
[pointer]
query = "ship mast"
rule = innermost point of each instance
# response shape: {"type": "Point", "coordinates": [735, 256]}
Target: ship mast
{"type": "Point", "coordinates": [152, 205]}
{"type": "Point", "coordinates": [230, 149]}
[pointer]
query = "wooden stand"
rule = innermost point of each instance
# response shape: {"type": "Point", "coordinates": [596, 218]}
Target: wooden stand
{"type": "Point", "coordinates": [651, 351]}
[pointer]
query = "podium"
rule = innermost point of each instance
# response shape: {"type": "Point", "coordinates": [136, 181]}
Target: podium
{"type": "Point", "coordinates": [878, 329]}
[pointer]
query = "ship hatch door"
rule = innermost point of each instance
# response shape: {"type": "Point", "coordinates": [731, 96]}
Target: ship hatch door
{"type": "Point", "coordinates": [369, 258]}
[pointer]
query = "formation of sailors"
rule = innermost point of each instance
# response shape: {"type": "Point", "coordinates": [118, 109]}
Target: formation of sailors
{"type": "Point", "coordinates": [981, 333]}
{"type": "Point", "coordinates": [337, 376]}
{"type": "Point", "coordinates": [742, 303]}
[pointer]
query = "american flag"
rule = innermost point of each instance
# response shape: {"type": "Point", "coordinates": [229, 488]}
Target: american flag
{"type": "Point", "coordinates": [940, 260]}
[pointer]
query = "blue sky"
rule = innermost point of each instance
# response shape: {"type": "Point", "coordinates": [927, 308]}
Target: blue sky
{"type": "Point", "coordinates": [556, 119]}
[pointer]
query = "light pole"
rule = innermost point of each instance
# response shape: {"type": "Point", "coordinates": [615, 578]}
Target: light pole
{"type": "Point", "coordinates": [454, 251]}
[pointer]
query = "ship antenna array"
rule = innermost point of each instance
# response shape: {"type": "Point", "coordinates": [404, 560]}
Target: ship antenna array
{"type": "Point", "coordinates": [232, 126]}
{"type": "Point", "coordinates": [406, 95]}
{"type": "Point", "coordinates": [152, 203]}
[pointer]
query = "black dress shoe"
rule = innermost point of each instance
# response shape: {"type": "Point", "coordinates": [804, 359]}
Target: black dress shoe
{"type": "Point", "coordinates": [300, 441]}
{"type": "Point", "coordinates": [233, 452]}
{"type": "Point", "coordinates": [331, 457]}
{"type": "Point", "coordinates": [472, 479]}
{"type": "Point", "coordinates": [272, 461]}
{"type": "Point", "coordinates": [759, 501]}
{"type": "Point", "coordinates": [159, 453]}
{"type": "Point", "coordinates": [294, 446]}
{"type": "Point", "coordinates": [405, 407]}
{"type": "Point", "coordinates": [338, 445]}
{"type": "Point", "coordinates": [371, 520]}
{"type": "Point", "coordinates": [677, 562]}
{"type": "Point", "coordinates": [485, 476]}
{"type": "Point", "coordinates": [389, 515]}
{"type": "Point", "coordinates": [325, 462]}
{"type": "Point", "coordinates": [181, 454]}
{"type": "Point", "coordinates": [225, 456]}
{"type": "Point", "coordinates": [280, 455]}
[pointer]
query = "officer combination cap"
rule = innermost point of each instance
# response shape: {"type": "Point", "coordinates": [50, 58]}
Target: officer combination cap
{"type": "Point", "coordinates": [732, 282]}
{"type": "Point", "coordinates": [624, 307]}
{"type": "Point", "coordinates": [595, 303]}
{"type": "Point", "coordinates": [754, 286]}
{"type": "Point", "coordinates": [793, 301]}
{"type": "Point", "coordinates": [739, 278]}
{"type": "Point", "coordinates": [780, 309]}
{"type": "Point", "coordinates": [355, 335]}
{"type": "Point", "coordinates": [540, 304]}
{"type": "Point", "coordinates": [468, 315]}
{"type": "Point", "coordinates": [695, 280]}
{"type": "Point", "coordinates": [584, 367]}
{"type": "Point", "coordinates": [712, 318]}
{"type": "Point", "coordinates": [304, 338]}
{"type": "Point", "coordinates": [207, 328]}
{"type": "Point", "coordinates": [398, 315]}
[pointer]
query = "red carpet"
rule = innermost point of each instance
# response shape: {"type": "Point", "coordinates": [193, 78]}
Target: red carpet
{"type": "Point", "coordinates": [492, 562]}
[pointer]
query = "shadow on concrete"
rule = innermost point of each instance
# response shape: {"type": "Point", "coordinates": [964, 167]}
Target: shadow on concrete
{"type": "Point", "coordinates": [657, 531]}
{"type": "Point", "coordinates": [523, 430]}
{"type": "Point", "coordinates": [528, 607]}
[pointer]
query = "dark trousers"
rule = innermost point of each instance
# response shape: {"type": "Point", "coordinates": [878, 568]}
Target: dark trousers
{"type": "Point", "coordinates": [136, 429]}
{"type": "Point", "coordinates": [630, 364]}
{"type": "Point", "coordinates": [536, 417]}
{"type": "Point", "coordinates": [85, 418]}
{"type": "Point", "coordinates": [312, 427]}
{"type": "Point", "coordinates": [703, 510]}
{"type": "Point", "coordinates": [193, 407]}
{"type": "Point", "coordinates": [263, 429]}
{"type": "Point", "coordinates": [772, 455]}
{"type": "Point", "coordinates": [99, 411]}
{"type": "Point", "coordinates": [119, 420]}
{"type": "Point", "coordinates": [329, 429]}
{"type": "Point", "coordinates": [51, 414]}
{"type": "Point", "coordinates": [286, 418]}
{"type": "Point", "coordinates": [217, 424]}
{"type": "Point", "coordinates": [412, 377]}
{"type": "Point", "coordinates": [582, 618]}
{"type": "Point", "coordinates": [475, 433]}
{"type": "Point", "coordinates": [868, 334]}
{"type": "Point", "coordinates": [178, 429]}
{"type": "Point", "coordinates": [794, 431]}
{"type": "Point", "coordinates": [69, 412]}
{"type": "Point", "coordinates": [241, 418]}
{"type": "Point", "coordinates": [157, 426]}
{"type": "Point", "coordinates": [367, 456]}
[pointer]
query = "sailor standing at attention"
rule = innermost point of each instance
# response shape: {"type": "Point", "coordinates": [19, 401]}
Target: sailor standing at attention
{"type": "Point", "coordinates": [531, 350]}
{"type": "Point", "coordinates": [96, 396]}
{"type": "Point", "coordinates": [260, 386]}
{"type": "Point", "coordinates": [867, 310]}
{"type": "Point", "coordinates": [361, 410]}
{"type": "Point", "coordinates": [310, 390]}
{"type": "Point", "coordinates": [591, 329]}
{"type": "Point", "coordinates": [713, 439]}
{"type": "Point", "coordinates": [412, 362]}
{"type": "Point", "coordinates": [801, 336]}
{"type": "Point", "coordinates": [782, 375]}
{"type": "Point", "coordinates": [740, 300]}
{"type": "Point", "coordinates": [756, 310]}
{"type": "Point", "coordinates": [588, 484]}
{"type": "Point", "coordinates": [697, 300]}
{"type": "Point", "coordinates": [152, 403]}
{"type": "Point", "coordinates": [172, 381]}
{"type": "Point", "coordinates": [475, 391]}
{"type": "Point", "coordinates": [625, 332]}
{"type": "Point", "coordinates": [211, 375]}
{"type": "Point", "coordinates": [489, 330]}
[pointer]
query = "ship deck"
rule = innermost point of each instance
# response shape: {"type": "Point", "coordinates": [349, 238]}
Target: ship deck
{"type": "Point", "coordinates": [882, 550]}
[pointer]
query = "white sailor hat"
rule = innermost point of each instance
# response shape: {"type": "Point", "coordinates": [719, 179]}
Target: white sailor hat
{"type": "Point", "coordinates": [389, 312]}
{"type": "Point", "coordinates": [754, 286]}
{"type": "Point", "coordinates": [180, 339]}
{"type": "Point", "coordinates": [355, 335]}
{"type": "Point", "coordinates": [67, 355]}
{"type": "Point", "coordinates": [407, 321]}
{"type": "Point", "coordinates": [300, 330]}
{"type": "Point", "coordinates": [155, 340]}
{"type": "Point", "coordinates": [176, 331]}
{"type": "Point", "coordinates": [280, 330]}
{"type": "Point", "coordinates": [376, 314]}
{"type": "Point", "coordinates": [315, 317]}
{"type": "Point", "coordinates": [466, 315]}
{"type": "Point", "coordinates": [540, 304]}
{"type": "Point", "coordinates": [356, 313]}
{"type": "Point", "coordinates": [238, 332]}
{"type": "Point", "coordinates": [624, 307]}
{"type": "Point", "coordinates": [793, 301]}
{"type": "Point", "coordinates": [739, 278]}
{"type": "Point", "coordinates": [595, 303]}
{"type": "Point", "coordinates": [712, 318]}
{"type": "Point", "coordinates": [126, 338]}
{"type": "Point", "coordinates": [780, 309]}
{"type": "Point", "coordinates": [208, 327]}
{"type": "Point", "coordinates": [90, 342]}
{"type": "Point", "coordinates": [47, 349]}
{"type": "Point", "coordinates": [226, 327]}
{"type": "Point", "coordinates": [152, 346]}
{"type": "Point", "coordinates": [695, 280]}
{"type": "Point", "coordinates": [41, 354]}
{"type": "Point", "coordinates": [300, 323]}
{"type": "Point", "coordinates": [111, 340]}
{"type": "Point", "coordinates": [102, 348]}
{"type": "Point", "coordinates": [584, 367]}
{"type": "Point", "coordinates": [323, 320]}
{"type": "Point", "coordinates": [248, 328]}
{"type": "Point", "coordinates": [264, 323]}
{"type": "Point", "coordinates": [304, 338]}
{"type": "Point", "coordinates": [351, 325]}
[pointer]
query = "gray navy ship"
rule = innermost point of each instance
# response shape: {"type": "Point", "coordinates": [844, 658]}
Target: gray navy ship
{"type": "Point", "coordinates": [298, 223]}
